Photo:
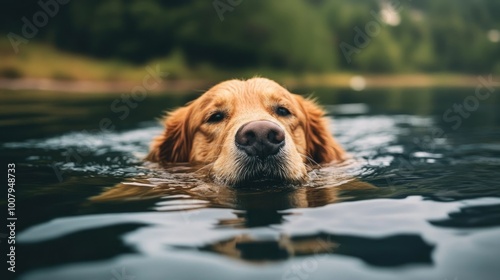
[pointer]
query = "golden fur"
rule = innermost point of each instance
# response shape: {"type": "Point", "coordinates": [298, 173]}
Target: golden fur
{"type": "Point", "coordinates": [189, 136]}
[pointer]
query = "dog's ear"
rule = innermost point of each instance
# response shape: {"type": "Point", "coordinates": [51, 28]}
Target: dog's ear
{"type": "Point", "coordinates": [174, 145]}
{"type": "Point", "coordinates": [321, 146]}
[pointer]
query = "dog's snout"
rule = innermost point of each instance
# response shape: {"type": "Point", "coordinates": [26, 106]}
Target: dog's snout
{"type": "Point", "coordinates": [260, 138]}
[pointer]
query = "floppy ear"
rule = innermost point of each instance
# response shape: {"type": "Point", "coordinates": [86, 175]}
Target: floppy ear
{"type": "Point", "coordinates": [321, 146]}
{"type": "Point", "coordinates": [174, 145]}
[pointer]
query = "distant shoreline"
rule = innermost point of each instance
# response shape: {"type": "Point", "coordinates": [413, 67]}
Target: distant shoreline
{"type": "Point", "coordinates": [98, 86]}
{"type": "Point", "coordinates": [188, 85]}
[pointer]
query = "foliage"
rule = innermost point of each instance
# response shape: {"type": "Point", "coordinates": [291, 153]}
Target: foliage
{"type": "Point", "coordinates": [296, 35]}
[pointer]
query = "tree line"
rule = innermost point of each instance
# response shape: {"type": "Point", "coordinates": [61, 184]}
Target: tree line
{"type": "Point", "coordinates": [295, 35]}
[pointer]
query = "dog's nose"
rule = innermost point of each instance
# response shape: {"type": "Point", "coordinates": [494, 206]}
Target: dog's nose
{"type": "Point", "coordinates": [260, 138]}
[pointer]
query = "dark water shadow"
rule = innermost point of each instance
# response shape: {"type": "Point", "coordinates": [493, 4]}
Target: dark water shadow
{"type": "Point", "coordinates": [390, 251]}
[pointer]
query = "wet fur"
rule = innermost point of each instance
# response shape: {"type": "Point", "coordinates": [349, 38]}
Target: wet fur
{"type": "Point", "coordinates": [188, 137]}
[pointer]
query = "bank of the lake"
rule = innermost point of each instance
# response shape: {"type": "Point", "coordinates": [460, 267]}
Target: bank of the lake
{"type": "Point", "coordinates": [354, 81]}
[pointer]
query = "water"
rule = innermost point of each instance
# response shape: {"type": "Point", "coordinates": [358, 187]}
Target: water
{"type": "Point", "coordinates": [421, 200]}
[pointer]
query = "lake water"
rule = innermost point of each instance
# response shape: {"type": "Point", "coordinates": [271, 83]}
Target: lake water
{"type": "Point", "coordinates": [421, 200]}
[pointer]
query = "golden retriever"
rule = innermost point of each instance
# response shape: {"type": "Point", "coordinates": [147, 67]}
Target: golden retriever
{"type": "Point", "coordinates": [248, 130]}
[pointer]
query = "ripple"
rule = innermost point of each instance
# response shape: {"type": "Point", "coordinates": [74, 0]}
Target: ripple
{"type": "Point", "coordinates": [411, 233]}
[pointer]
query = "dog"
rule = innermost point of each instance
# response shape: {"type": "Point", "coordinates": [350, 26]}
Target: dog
{"type": "Point", "coordinates": [247, 131]}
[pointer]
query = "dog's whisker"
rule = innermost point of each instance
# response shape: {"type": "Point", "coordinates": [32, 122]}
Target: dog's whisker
{"type": "Point", "coordinates": [310, 160]}
{"type": "Point", "coordinates": [210, 165]}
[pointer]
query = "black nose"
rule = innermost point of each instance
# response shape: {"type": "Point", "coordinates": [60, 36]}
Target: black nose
{"type": "Point", "coordinates": [260, 138]}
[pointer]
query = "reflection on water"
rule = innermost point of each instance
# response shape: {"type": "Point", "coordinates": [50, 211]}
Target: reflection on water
{"type": "Point", "coordinates": [398, 250]}
{"type": "Point", "coordinates": [419, 200]}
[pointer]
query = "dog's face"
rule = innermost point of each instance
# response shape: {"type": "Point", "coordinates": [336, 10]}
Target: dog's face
{"type": "Point", "coordinates": [248, 130]}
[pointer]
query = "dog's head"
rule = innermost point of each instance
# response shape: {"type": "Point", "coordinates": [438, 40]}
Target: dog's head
{"type": "Point", "coordinates": [248, 130]}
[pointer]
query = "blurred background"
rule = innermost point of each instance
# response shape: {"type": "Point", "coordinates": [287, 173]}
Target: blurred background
{"type": "Point", "coordinates": [446, 42]}
{"type": "Point", "coordinates": [412, 86]}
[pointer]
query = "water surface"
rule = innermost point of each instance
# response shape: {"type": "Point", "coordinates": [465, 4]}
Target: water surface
{"type": "Point", "coordinates": [421, 200]}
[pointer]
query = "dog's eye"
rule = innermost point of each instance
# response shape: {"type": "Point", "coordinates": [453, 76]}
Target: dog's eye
{"type": "Point", "coordinates": [216, 117]}
{"type": "Point", "coordinates": [282, 111]}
